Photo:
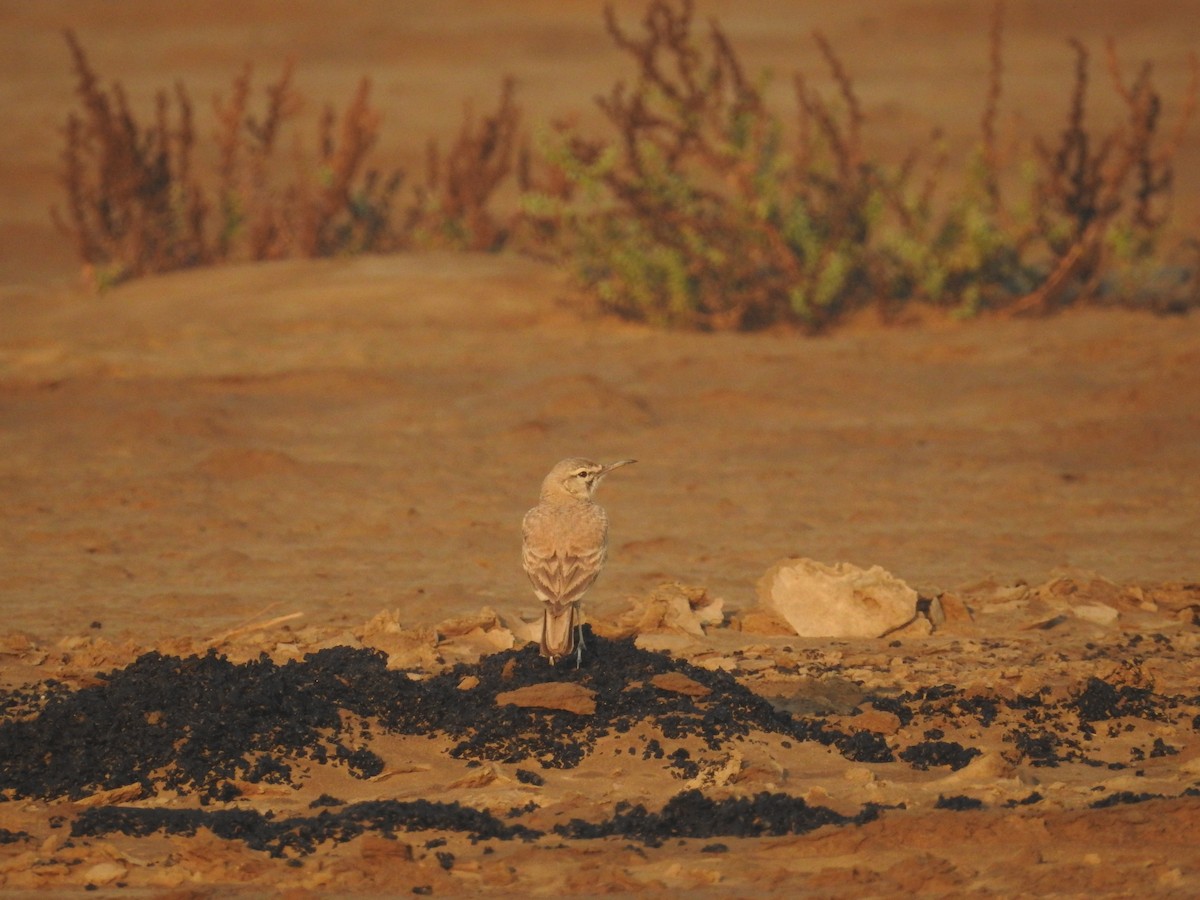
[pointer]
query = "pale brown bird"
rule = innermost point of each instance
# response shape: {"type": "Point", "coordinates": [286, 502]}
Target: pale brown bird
{"type": "Point", "coordinates": [565, 542]}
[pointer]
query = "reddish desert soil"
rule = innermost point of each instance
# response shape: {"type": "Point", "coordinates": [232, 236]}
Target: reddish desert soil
{"type": "Point", "coordinates": [279, 458]}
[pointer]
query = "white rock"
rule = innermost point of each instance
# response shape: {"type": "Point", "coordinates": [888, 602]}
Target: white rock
{"type": "Point", "coordinates": [1099, 613]}
{"type": "Point", "coordinates": [104, 872]}
{"type": "Point", "coordinates": [841, 600]}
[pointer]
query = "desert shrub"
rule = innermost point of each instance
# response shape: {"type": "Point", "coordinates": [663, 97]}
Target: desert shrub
{"type": "Point", "coordinates": [137, 204]}
{"type": "Point", "coordinates": [961, 246]}
{"type": "Point", "coordinates": [704, 210]}
{"type": "Point", "coordinates": [703, 207]}
{"type": "Point", "coordinates": [697, 214]}
{"type": "Point", "coordinates": [1098, 200]}
{"type": "Point", "coordinates": [454, 207]}
{"type": "Point", "coordinates": [320, 205]}
{"type": "Point", "coordinates": [133, 204]}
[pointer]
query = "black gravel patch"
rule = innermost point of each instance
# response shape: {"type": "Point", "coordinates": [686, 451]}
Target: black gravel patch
{"type": "Point", "coordinates": [1121, 798]}
{"type": "Point", "coordinates": [958, 803]}
{"type": "Point", "coordinates": [1033, 798]}
{"type": "Point", "coordinates": [29, 699]}
{"type": "Point", "coordinates": [1100, 700]}
{"type": "Point", "coordinates": [326, 800]}
{"type": "Point", "coordinates": [1043, 748]}
{"type": "Point", "coordinates": [196, 725]}
{"type": "Point", "coordinates": [687, 815]}
{"type": "Point", "coordinates": [1162, 748]}
{"type": "Point", "coordinates": [938, 753]}
{"type": "Point", "coordinates": [300, 835]}
{"type": "Point", "coordinates": [691, 814]}
{"type": "Point", "coordinates": [939, 700]}
{"type": "Point", "coordinates": [200, 724]}
{"type": "Point", "coordinates": [683, 764]}
{"type": "Point", "coordinates": [1039, 730]}
{"type": "Point", "coordinates": [865, 746]}
{"type": "Point", "coordinates": [619, 674]}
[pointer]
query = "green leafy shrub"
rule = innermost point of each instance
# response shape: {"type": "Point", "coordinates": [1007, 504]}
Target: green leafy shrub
{"type": "Point", "coordinates": [705, 211]}
{"type": "Point", "coordinates": [699, 214]}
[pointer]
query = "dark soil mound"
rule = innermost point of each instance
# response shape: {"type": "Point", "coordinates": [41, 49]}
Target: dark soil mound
{"type": "Point", "coordinates": [300, 835]}
{"type": "Point", "coordinates": [198, 724]}
{"type": "Point", "coordinates": [691, 814]}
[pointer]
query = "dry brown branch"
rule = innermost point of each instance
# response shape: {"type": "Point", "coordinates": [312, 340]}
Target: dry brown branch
{"type": "Point", "coordinates": [679, 101]}
{"type": "Point", "coordinates": [1072, 173]}
{"type": "Point", "coordinates": [268, 219]}
{"type": "Point", "coordinates": [1187, 111]}
{"type": "Point", "coordinates": [327, 219]}
{"type": "Point", "coordinates": [228, 135]}
{"type": "Point", "coordinates": [1153, 165]}
{"type": "Point", "coordinates": [132, 204]}
{"type": "Point", "coordinates": [135, 203]}
{"type": "Point", "coordinates": [720, 213]}
{"type": "Point", "coordinates": [1070, 268]}
{"type": "Point", "coordinates": [850, 144]}
{"type": "Point", "coordinates": [1088, 182]}
{"type": "Point", "coordinates": [254, 624]}
{"type": "Point", "coordinates": [991, 158]}
{"type": "Point", "coordinates": [463, 183]}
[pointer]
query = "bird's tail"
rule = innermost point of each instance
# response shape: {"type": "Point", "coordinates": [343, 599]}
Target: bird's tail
{"type": "Point", "coordinates": [558, 630]}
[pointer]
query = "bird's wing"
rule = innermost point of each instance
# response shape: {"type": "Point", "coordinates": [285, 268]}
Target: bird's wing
{"type": "Point", "coordinates": [562, 564]}
{"type": "Point", "coordinates": [562, 578]}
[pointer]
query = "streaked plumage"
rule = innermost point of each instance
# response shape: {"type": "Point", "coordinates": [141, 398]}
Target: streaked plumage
{"type": "Point", "coordinates": [564, 546]}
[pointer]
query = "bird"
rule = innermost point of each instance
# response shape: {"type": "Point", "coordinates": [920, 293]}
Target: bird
{"type": "Point", "coordinates": [564, 545]}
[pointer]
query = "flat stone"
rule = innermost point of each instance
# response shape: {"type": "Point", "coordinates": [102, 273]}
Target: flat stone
{"type": "Point", "coordinates": [562, 695]}
{"type": "Point", "coordinates": [877, 720]}
{"type": "Point", "coordinates": [678, 683]}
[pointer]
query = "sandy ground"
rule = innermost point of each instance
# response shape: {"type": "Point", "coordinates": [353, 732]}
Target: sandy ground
{"type": "Point", "coordinates": [289, 456]}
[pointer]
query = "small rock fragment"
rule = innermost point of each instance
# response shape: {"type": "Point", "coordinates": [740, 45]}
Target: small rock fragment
{"type": "Point", "coordinates": [562, 695]}
{"type": "Point", "coordinates": [104, 873]}
{"type": "Point", "coordinates": [678, 683]}
{"type": "Point", "coordinates": [877, 720]}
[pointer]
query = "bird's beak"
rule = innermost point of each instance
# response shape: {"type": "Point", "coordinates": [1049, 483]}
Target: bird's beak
{"type": "Point", "coordinates": [616, 465]}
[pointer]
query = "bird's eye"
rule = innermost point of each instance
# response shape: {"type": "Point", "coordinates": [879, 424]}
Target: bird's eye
{"type": "Point", "coordinates": [582, 473]}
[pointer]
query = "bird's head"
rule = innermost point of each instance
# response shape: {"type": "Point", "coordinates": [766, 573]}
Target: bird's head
{"type": "Point", "coordinates": [577, 478]}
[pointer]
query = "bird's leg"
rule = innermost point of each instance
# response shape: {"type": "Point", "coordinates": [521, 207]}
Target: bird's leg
{"type": "Point", "coordinates": [579, 639]}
